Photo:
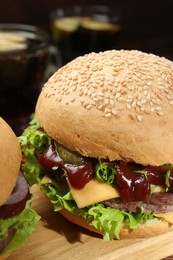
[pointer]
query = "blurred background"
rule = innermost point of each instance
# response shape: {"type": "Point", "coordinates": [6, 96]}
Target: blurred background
{"type": "Point", "coordinates": [146, 24]}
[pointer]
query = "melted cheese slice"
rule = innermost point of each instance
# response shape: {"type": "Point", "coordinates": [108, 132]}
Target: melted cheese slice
{"type": "Point", "coordinates": [93, 192]}
{"type": "Point", "coordinates": [166, 216]}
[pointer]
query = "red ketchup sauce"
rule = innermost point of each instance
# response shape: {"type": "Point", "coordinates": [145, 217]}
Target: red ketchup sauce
{"type": "Point", "coordinates": [135, 185]}
{"type": "Point", "coordinates": [133, 180]}
{"type": "Point", "coordinates": [132, 185]}
{"type": "Point", "coordinates": [78, 175]}
{"type": "Point", "coordinates": [155, 175]}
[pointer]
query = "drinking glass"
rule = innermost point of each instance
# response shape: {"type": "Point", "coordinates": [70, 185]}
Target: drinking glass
{"type": "Point", "coordinates": [23, 61]}
{"type": "Point", "coordinates": [78, 30]}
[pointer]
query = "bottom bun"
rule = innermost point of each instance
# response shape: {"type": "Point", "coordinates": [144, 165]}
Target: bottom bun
{"type": "Point", "coordinates": [150, 229]}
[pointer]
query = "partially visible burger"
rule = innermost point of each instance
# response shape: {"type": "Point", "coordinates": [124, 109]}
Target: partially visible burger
{"type": "Point", "coordinates": [17, 218]}
{"type": "Point", "coordinates": [101, 143]}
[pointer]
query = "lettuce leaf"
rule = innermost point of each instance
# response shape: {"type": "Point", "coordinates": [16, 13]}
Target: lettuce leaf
{"type": "Point", "coordinates": [32, 140]}
{"type": "Point", "coordinates": [105, 172]}
{"type": "Point", "coordinates": [24, 223]}
{"type": "Point", "coordinates": [107, 220]}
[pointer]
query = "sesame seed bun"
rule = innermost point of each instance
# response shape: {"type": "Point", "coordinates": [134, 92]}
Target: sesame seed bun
{"type": "Point", "coordinates": [150, 229]}
{"type": "Point", "coordinates": [114, 104]}
{"type": "Point", "coordinates": [10, 160]}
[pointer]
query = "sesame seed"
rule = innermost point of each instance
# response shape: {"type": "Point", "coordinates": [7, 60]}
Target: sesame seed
{"type": "Point", "coordinates": [144, 101]}
{"type": "Point", "coordinates": [137, 110]}
{"type": "Point", "coordinates": [160, 113]}
{"type": "Point", "coordinates": [74, 87]}
{"type": "Point", "coordinates": [88, 106]}
{"type": "Point", "coordinates": [139, 96]}
{"type": "Point", "coordinates": [100, 107]}
{"type": "Point", "coordinates": [114, 112]}
{"type": "Point", "coordinates": [114, 81]}
{"type": "Point", "coordinates": [117, 95]}
{"type": "Point", "coordinates": [112, 102]}
{"type": "Point", "coordinates": [106, 101]}
{"type": "Point", "coordinates": [100, 98]}
{"type": "Point", "coordinates": [158, 108]}
{"type": "Point", "coordinates": [152, 109]}
{"type": "Point", "coordinates": [121, 99]}
{"type": "Point", "coordinates": [73, 99]}
{"type": "Point", "coordinates": [134, 104]}
{"type": "Point", "coordinates": [93, 103]}
{"type": "Point", "coordinates": [108, 115]}
{"type": "Point", "coordinates": [160, 87]}
{"type": "Point", "coordinates": [80, 93]}
{"type": "Point", "coordinates": [160, 96]}
{"type": "Point", "coordinates": [139, 103]}
{"type": "Point", "coordinates": [93, 95]}
{"type": "Point", "coordinates": [107, 110]}
{"type": "Point", "coordinates": [169, 97]}
{"type": "Point", "coordinates": [67, 91]}
{"type": "Point", "coordinates": [128, 106]}
{"type": "Point", "coordinates": [139, 117]}
{"type": "Point", "coordinates": [147, 110]}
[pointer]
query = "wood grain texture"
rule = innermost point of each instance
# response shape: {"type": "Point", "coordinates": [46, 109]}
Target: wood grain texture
{"type": "Point", "coordinates": [57, 238]}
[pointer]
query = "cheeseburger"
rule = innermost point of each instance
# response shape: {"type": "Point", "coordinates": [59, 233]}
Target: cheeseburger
{"type": "Point", "coordinates": [101, 143]}
{"type": "Point", "coordinates": [17, 217]}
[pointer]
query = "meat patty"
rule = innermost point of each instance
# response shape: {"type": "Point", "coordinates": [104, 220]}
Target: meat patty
{"type": "Point", "coordinates": [160, 202]}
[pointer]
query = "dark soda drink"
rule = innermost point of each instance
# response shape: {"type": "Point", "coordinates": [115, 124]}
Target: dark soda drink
{"type": "Point", "coordinates": [85, 31]}
{"type": "Point", "coordinates": [23, 59]}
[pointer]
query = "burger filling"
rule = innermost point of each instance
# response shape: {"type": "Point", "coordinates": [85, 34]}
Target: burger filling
{"type": "Point", "coordinates": [17, 218]}
{"type": "Point", "coordinates": [108, 194]}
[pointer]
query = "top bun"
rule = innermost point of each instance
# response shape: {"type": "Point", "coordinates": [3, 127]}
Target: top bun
{"type": "Point", "coordinates": [10, 160]}
{"type": "Point", "coordinates": [112, 104]}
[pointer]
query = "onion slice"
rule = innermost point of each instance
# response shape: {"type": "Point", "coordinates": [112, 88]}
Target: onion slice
{"type": "Point", "coordinates": [17, 200]}
{"type": "Point", "coordinates": [19, 192]}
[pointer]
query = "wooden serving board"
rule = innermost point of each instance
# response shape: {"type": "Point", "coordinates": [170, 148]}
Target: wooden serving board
{"type": "Point", "coordinates": [57, 238]}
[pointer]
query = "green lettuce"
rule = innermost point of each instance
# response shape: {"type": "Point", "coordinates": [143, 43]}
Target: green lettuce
{"type": "Point", "coordinates": [107, 220]}
{"type": "Point", "coordinates": [24, 223]}
{"type": "Point", "coordinates": [105, 172]}
{"type": "Point", "coordinates": [33, 139]}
